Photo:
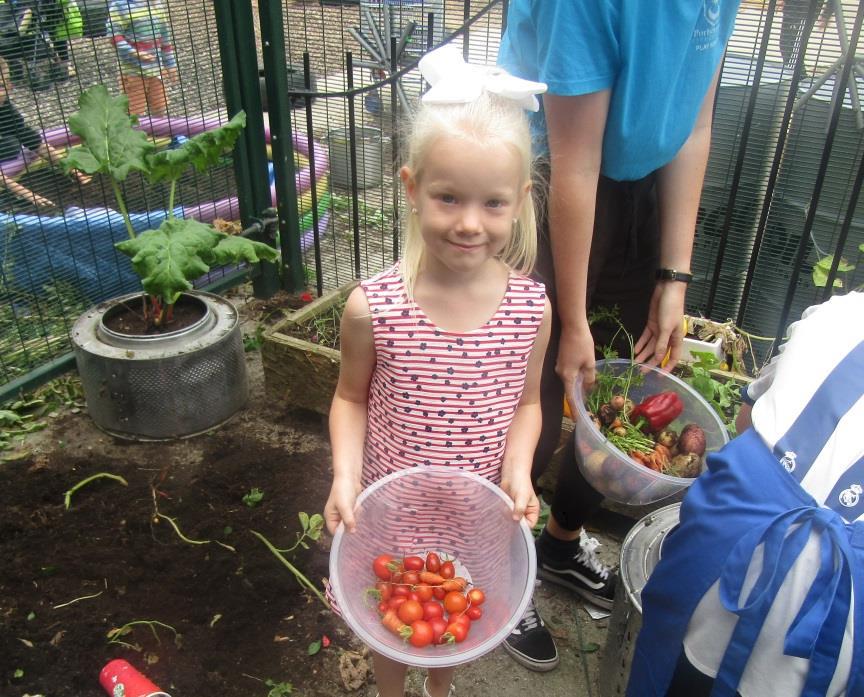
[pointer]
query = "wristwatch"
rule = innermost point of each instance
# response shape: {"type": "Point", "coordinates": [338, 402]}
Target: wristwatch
{"type": "Point", "coordinates": [673, 275]}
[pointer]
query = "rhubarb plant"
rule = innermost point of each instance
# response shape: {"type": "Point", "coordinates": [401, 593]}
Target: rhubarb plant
{"type": "Point", "coordinates": [180, 250]}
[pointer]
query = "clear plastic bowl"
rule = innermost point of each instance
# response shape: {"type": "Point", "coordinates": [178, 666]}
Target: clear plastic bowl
{"type": "Point", "coordinates": [617, 476]}
{"type": "Point", "coordinates": [449, 511]}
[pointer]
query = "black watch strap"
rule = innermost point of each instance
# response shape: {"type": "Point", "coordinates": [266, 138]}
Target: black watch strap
{"type": "Point", "coordinates": [673, 275]}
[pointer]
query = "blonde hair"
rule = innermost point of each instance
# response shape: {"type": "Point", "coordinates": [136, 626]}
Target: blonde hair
{"type": "Point", "coordinates": [487, 120]}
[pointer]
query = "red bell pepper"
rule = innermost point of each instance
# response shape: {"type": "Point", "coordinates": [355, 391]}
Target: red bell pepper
{"type": "Point", "coordinates": [657, 411]}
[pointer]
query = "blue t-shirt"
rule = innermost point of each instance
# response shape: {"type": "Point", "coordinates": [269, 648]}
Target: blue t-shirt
{"type": "Point", "coordinates": [657, 57]}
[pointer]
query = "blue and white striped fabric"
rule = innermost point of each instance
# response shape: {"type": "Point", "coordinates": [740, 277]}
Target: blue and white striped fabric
{"type": "Point", "coordinates": [810, 404]}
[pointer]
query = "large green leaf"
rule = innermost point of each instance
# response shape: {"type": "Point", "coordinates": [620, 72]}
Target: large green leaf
{"type": "Point", "coordinates": [201, 151]}
{"type": "Point", "coordinates": [168, 259]}
{"type": "Point", "coordinates": [109, 143]}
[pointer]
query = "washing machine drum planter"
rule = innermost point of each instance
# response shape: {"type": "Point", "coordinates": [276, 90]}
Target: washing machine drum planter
{"type": "Point", "coordinates": [166, 386]}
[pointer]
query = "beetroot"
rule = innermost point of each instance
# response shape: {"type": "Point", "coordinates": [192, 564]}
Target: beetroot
{"type": "Point", "coordinates": [691, 440]}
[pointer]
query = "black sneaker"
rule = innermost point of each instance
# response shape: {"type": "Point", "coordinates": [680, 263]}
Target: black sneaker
{"type": "Point", "coordinates": [531, 644]}
{"type": "Point", "coordinates": [582, 573]}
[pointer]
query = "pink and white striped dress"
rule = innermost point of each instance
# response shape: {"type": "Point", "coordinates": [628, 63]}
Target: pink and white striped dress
{"type": "Point", "coordinates": [439, 397]}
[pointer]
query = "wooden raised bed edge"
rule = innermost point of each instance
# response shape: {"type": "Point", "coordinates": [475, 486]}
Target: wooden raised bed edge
{"type": "Point", "coordinates": [297, 372]}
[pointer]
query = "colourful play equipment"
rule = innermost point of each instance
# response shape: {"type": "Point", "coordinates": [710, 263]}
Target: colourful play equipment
{"type": "Point", "coordinates": [78, 246]}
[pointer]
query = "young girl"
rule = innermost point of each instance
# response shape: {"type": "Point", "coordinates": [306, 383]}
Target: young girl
{"type": "Point", "coordinates": [441, 353]}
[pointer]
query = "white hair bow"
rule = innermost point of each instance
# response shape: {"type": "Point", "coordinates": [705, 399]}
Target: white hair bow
{"type": "Point", "coordinates": [453, 81]}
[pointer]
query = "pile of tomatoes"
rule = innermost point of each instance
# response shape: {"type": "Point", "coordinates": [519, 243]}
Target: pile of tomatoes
{"type": "Point", "coordinates": [423, 601]}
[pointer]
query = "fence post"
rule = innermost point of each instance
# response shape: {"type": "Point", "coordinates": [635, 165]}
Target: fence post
{"type": "Point", "coordinates": [282, 143]}
{"type": "Point", "coordinates": [236, 31]}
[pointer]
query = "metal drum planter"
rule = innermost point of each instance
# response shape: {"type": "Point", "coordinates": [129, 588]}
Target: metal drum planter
{"type": "Point", "coordinates": [165, 386]}
{"type": "Point", "coordinates": [640, 552]}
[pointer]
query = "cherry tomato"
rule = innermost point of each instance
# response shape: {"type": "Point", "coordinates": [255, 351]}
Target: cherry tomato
{"type": "Point", "coordinates": [474, 613]}
{"type": "Point", "coordinates": [459, 619]}
{"type": "Point", "coordinates": [383, 566]}
{"type": "Point", "coordinates": [455, 602]}
{"type": "Point", "coordinates": [385, 590]}
{"type": "Point", "coordinates": [410, 611]}
{"type": "Point", "coordinates": [476, 596]}
{"type": "Point", "coordinates": [412, 578]}
{"type": "Point", "coordinates": [457, 631]}
{"type": "Point", "coordinates": [413, 596]}
{"type": "Point", "coordinates": [421, 634]}
{"type": "Point", "coordinates": [400, 591]}
{"type": "Point", "coordinates": [433, 562]}
{"type": "Point", "coordinates": [447, 569]}
{"type": "Point", "coordinates": [438, 592]}
{"type": "Point", "coordinates": [396, 601]}
{"type": "Point", "coordinates": [439, 626]}
{"type": "Point", "coordinates": [413, 563]}
{"type": "Point", "coordinates": [432, 609]}
{"type": "Point", "coordinates": [423, 592]}
{"type": "Point", "coordinates": [383, 606]}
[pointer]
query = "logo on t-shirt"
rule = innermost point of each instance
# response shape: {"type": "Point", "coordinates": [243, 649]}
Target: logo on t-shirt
{"type": "Point", "coordinates": [788, 461]}
{"type": "Point", "coordinates": [705, 33]}
{"type": "Point", "coordinates": [849, 497]}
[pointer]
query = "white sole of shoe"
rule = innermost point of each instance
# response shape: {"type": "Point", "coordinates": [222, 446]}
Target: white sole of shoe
{"type": "Point", "coordinates": [530, 663]}
{"type": "Point", "coordinates": [581, 591]}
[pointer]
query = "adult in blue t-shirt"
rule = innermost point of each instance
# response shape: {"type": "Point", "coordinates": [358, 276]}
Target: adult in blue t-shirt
{"type": "Point", "coordinates": [625, 129]}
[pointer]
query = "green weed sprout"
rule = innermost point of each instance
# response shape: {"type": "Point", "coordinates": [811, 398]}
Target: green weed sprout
{"type": "Point", "coordinates": [67, 498]}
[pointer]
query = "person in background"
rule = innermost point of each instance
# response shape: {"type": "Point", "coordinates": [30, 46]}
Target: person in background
{"type": "Point", "coordinates": [141, 33]}
{"type": "Point", "coordinates": [625, 129]}
{"type": "Point", "coordinates": [15, 136]}
{"type": "Point", "coordinates": [759, 591]}
{"type": "Point", "coordinates": [441, 353]}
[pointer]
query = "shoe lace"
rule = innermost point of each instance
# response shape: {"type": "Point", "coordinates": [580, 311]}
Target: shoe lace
{"type": "Point", "coordinates": [588, 555]}
{"type": "Point", "coordinates": [530, 620]}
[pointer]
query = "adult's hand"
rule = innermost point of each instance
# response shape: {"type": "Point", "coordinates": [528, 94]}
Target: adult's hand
{"type": "Point", "coordinates": [575, 357]}
{"type": "Point", "coordinates": [663, 331]}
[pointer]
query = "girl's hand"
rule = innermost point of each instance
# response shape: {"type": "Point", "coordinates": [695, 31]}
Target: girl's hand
{"type": "Point", "coordinates": [575, 356]}
{"type": "Point", "coordinates": [340, 505]}
{"type": "Point", "coordinates": [82, 177]}
{"type": "Point", "coordinates": [663, 331]}
{"type": "Point", "coordinates": [525, 501]}
{"type": "Point", "coordinates": [42, 202]}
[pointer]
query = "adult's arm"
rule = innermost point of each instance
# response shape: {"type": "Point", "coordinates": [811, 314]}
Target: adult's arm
{"type": "Point", "coordinates": [575, 126]}
{"type": "Point", "coordinates": [679, 187]}
{"type": "Point", "coordinates": [348, 412]}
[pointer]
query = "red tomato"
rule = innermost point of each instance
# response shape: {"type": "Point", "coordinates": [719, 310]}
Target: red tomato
{"type": "Point", "coordinates": [438, 592]}
{"type": "Point", "coordinates": [458, 631]}
{"type": "Point", "coordinates": [410, 611]}
{"type": "Point", "coordinates": [385, 590]}
{"type": "Point", "coordinates": [455, 602]}
{"type": "Point", "coordinates": [412, 578]}
{"type": "Point", "coordinates": [413, 563]}
{"type": "Point", "coordinates": [383, 606]}
{"type": "Point", "coordinates": [447, 569]}
{"type": "Point", "coordinates": [459, 619]}
{"type": "Point", "coordinates": [439, 626]}
{"type": "Point", "coordinates": [400, 591]}
{"type": "Point", "coordinates": [423, 592]}
{"type": "Point", "coordinates": [433, 562]}
{"type": "Point", "coordinates": [395, 601]}
{"type": "Point", "coordinates": [432, 609]}
{"type": "Point", "coordinates": [474, 613]}
{"type": "Point", "coordinates": [421, 634]}
{"type": "Point", "coordinates": [384, 566]}
{"type": "Point", "coordinates": [413, 596]}
{"type": "Point", "coordinates": [476, 596]}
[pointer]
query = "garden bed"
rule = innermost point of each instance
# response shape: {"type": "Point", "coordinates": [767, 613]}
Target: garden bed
{"type": "Point", "coordinates": [70, 577]}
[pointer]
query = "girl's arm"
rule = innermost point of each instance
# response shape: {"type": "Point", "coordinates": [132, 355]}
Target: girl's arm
{"type": "Point", "coordinates": [525, 432]}
{"type": "Point", "coordinates": [679, 187]}
{"type": "Point", "coordinates": [575, 126]}
{"type": "Point", "coordinates": [22, 191]}
{"type": "Point", "coordinates": [348, 412]}
{"type": "Point", "coordinates": [53, 157]}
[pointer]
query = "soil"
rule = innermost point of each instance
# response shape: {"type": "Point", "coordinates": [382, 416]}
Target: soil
{"type": "Point", "coordinates": [71, 576]}
{"type": "Point", "coordinates": [130, 320]}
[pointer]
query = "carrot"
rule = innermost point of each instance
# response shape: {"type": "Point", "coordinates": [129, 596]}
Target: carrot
{"type": "Point", "coordinates": [455, 584]}
{"type": "Point", "coordinates": [391, 621]}
{"type": "Point", "coordinates": [431, 579]}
